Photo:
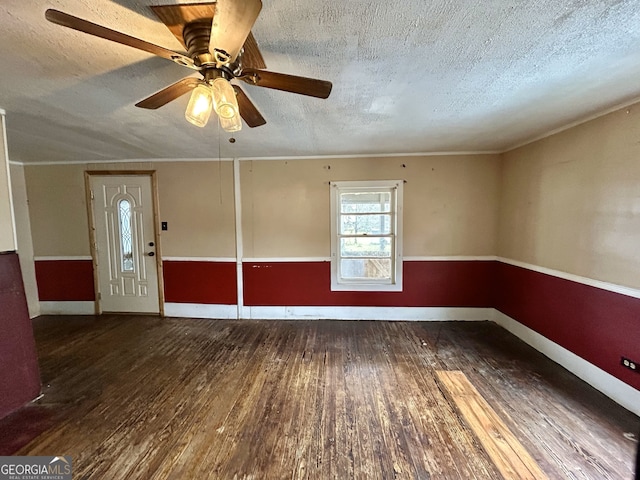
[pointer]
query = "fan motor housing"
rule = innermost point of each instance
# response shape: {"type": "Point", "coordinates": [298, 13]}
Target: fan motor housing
{"type": "Point", "coordinates": [196, 38]}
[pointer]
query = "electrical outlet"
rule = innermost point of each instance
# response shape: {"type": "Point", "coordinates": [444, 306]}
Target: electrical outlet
{"type": "Point", "coordinates": [630, 364]}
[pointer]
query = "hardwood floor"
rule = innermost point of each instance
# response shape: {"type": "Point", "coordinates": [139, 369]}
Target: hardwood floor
{"type": "Point", "coordinates": [144, 397]}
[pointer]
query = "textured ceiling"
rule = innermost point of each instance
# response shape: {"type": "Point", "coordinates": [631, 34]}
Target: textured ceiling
{"type": "Point", "coordinates": [408, 76]}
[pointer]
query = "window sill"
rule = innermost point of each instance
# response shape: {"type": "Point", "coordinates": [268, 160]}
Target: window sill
{"type": "Point", "coordinates": [365, 287]}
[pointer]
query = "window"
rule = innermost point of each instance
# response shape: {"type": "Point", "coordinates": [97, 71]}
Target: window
{"type": "Point", "coordinates": [366, 234]}
{"type": "Point", "coordinates": [126, 247]}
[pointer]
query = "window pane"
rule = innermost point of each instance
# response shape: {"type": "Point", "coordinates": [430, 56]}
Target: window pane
{"type": "Point", "coordinates": [365, 247]}
{"type": "Point", "coordinates": [126, 249]}
{"type": "Point", "coordinates": [370, 224]}
{"type": "Point", "coordinates": [373, 268]}
{"type": "Point", "coordinates": [365, 202]}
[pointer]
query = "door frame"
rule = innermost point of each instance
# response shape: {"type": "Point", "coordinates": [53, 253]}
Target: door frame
{"type": "Point", "coordinates": [88, 174]}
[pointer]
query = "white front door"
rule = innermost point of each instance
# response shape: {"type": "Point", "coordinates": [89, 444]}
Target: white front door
{"type": "Point", "coordinates": [125, 243]}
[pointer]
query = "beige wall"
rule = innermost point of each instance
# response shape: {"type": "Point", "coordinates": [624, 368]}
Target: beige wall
{"type": "Point", "coordinates": [57, 208]}
{"type": "Point", "coordinates": [25, 243]}
{"type": "Point", "coordinates": [195, 199]}
{"type": "Point", "coordinates": [571, 202]}
{"type": "Point", "coordinates": [7, 238]}
{"type": "Point", "coordinates": [450, 203]}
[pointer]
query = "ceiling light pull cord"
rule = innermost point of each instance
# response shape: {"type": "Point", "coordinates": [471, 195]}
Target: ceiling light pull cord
{"type": "Point", "coordinates": [219, 166]}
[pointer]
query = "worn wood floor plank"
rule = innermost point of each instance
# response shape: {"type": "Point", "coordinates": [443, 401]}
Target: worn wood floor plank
{"type": "Point", "coordinates": [552, 394]}
{"type": "Point", "coordinates": [508, 455]}
{"type": "Point", "coordinates": [139, 397]}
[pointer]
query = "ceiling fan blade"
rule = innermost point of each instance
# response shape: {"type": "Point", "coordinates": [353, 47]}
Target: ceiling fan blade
{"type": "Point", "coordinates": [232, 22]}
{"type": "Point", "coordinates": [66, 20]}
{"type": "Point", "coordinates": [248, 110]}
{"type": "Point", "coordinates": [288, 83]}
{"type": "Point", "coordinates": [169, 93]}
{"type": "Point", "coordinates": [252, 57]}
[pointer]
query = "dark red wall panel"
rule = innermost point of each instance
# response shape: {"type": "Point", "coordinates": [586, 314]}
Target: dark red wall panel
{"type": "Point", "coordinates": [65, 280]}
{"type": "Point", "coordinates": [426, 284]}
{"type": "Point", "coordinates": [595, 324]}
{"type": "Point", "coordinates": [19, 375]}
{"type": "Point", "coordinates": [200, 282]}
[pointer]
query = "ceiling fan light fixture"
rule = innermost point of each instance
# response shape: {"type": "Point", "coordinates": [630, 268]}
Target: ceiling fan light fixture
{"type": "Point", "coordinates": [233, 124]}
{"type": "Point", "coordinates": [199, 107]}
{"type": "Point", "coordinates": [224, 98]}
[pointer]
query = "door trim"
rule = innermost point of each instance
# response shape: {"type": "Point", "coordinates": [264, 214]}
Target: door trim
{"type": "Point", "coordinates": [92, 229]}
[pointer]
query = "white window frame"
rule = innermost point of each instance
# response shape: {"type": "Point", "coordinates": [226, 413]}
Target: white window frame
{"type": "Point", "coordinates": [387, 285]}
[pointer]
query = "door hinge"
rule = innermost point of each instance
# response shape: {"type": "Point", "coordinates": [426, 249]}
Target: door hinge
{"type": "Point", "coordinates": [91, 192]}
{"type": "Point", "coordinates": [99, 296]}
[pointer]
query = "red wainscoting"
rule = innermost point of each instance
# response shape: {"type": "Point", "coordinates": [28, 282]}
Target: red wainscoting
{"type": "Point", "coordinates": [425, 284]}
{"type": "Point", "coordinates": [598, 325]}
{"type": "Point", "coordinates": [65, 280]}
{"type": "Point", "coordinates": [200, 282]}
{"type": "Point", "coordinates": [19, 375]}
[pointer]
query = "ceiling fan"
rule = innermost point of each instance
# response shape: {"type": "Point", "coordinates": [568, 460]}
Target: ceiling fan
{"type": "Point", "coordinates": [220, 46]}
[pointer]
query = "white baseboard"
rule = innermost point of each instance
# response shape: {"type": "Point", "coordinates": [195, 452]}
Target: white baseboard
{"type": "Point", "coordinates": [367, 313]}
{"type": "Point", "coordinates": [617, 390]}
{"type": "Point", "coordinates": [198, 310]}
{"type": "Point", "coordinates": [195, 310]}
{"type": "Point", "coordinates": [67, 308]}
{"type": "Point", "coordinates": [201, 310]}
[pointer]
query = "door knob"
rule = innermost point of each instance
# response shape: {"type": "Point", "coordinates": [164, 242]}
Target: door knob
{"type": "Point", "coordinates": [151, 254]}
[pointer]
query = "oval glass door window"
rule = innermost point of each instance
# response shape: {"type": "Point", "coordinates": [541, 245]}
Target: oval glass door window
{"type": "Point", "coordinates": [126, 249]}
